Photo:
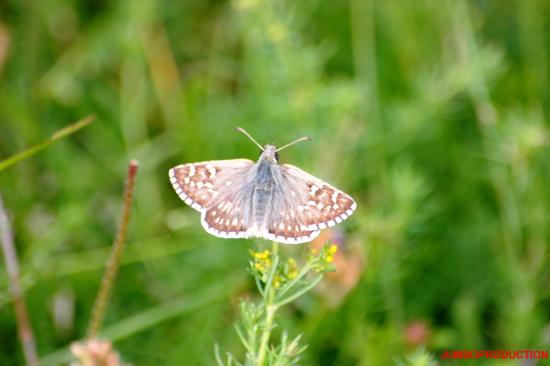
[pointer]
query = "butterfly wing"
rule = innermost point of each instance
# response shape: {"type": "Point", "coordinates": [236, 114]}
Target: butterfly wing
{"type": "Point", "coordinates": [216, 189]}
{"type": "Point", "coordinates": [303, 205]}
{"type": "Point", "coordinates": [230, 214]}
{"type": "Point", "coordinates": [198, 184]}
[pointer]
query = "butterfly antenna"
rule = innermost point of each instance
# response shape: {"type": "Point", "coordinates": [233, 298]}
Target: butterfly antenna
{"type": "Point", "coordinates": [305, 138]}
{"type": "Point", "coordinates": [240, 129]}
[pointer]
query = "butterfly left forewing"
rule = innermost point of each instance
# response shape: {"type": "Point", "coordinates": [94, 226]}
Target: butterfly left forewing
{"type": "Point", "coordinates": [199, 184]}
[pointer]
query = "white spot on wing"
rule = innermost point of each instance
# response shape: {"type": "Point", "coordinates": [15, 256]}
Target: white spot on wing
{"type": "Point", "coordinates": [314, 189]}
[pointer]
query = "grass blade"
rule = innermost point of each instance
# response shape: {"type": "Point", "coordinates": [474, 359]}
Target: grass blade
{"type": "Point", "coordinates": [65, 131]}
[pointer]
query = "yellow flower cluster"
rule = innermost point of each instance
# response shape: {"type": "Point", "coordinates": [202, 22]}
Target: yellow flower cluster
{"type": "Point", "coordinates": [291, 269]}
{"type": "Point", "coordinates": [321, 261]}
{"type": "Point", "coordinates": [262, 261]}
{"type": "Point", "coordinates": [330, 251]}
{"type": "Point", "coordinates": [288, 272]}
{"type": "Point", "coordinates": [262, 264]}
{"type": "Point", "coordinates": [278, 281]}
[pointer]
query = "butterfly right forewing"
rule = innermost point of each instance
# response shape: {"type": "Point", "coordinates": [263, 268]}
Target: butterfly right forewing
{"type": "Point", "coordinates": [304, 206]}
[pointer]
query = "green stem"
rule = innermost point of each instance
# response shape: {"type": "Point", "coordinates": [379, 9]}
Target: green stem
{"type": "Point", "coordinates": [292, 283]}
{"type": "Point", "coordinates": [266, 333]}
{"type": "Point", "coordinates": [270, 309]}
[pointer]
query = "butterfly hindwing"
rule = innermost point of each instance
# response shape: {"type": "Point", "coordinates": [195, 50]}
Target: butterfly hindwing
{"type": "Point", "coordinates": [229, 215]}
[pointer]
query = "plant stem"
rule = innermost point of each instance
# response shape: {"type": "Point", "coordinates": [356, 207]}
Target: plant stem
{"type": "Point", "coordinates": [22, 317]}
{"type": "Point", "coordinates": [266, 333]}
{"type": "Point", "coordinates": [270, 310]}
{"type": "Point", "coordinates": [299, 293]}
{"type": "Point", "coordinates": [98, 311]}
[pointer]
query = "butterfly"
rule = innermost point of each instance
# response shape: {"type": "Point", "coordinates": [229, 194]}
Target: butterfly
{"type": "Point", "coordinates": [239, 198]}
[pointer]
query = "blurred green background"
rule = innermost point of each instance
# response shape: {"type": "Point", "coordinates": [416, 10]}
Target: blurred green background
{"type": "Point", "coordinates": [432, 114]}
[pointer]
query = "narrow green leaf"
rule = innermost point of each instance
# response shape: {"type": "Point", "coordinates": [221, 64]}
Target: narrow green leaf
{"type": "Point", "coordinates": [65, 131]}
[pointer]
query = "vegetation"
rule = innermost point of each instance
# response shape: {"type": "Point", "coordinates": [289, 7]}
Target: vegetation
{"type": "Point", "coordinates": [432, 114]}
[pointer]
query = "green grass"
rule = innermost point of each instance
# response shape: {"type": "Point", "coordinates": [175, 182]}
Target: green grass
{"type": "Point", "coordinates": [432, 114]}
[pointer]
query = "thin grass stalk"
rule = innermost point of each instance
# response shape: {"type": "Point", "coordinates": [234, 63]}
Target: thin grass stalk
{"type": "Point", "coordinates": [113, 263]}
{"type": "Point", "coordinates": [65, 131]}
{"type": "Point", "coordinates": [24, 327]}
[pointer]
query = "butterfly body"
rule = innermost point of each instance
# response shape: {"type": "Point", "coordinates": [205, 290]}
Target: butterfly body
{"type": "Point", "coordinates": [240, 198]}
{"type": "Point", "coordinates": [263, 186]}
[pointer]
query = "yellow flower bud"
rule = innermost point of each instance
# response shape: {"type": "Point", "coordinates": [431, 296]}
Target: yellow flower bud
{"type": "Point", "coordinates": [277, 282]}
